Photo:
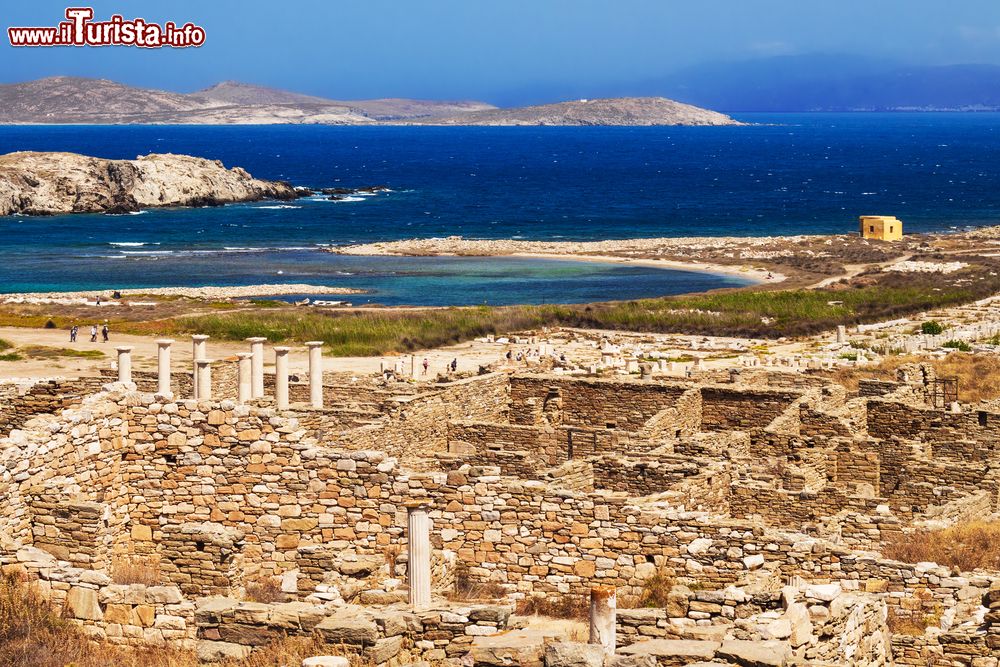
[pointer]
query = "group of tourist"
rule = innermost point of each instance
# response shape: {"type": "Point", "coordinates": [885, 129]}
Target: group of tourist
{"type": "Point", "coordinates": [104, 331]}
{"type": "Point", "coordinates": [398, 371]}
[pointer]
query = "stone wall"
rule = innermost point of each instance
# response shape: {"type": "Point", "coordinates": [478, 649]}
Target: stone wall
{"type": "Point", "coordinates": [417, 426]}
{"type": "Point", "coordinates": [818, 625]}
{"type": "Point", "coordinates": [218, 492]}
{"type": "Point", "coordinates": [589, 402]}
{"type": "Point", "coordinates": [17, 405]}
{"type": "Point", "coordinates": [642, 476]}
{"type": "Point", "coordinates": [741, 409]}
{"type": "Point", "coordinates": [969, 436]}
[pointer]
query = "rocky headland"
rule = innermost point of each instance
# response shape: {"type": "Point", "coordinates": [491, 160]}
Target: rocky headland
{"type": "Point", "coordinates": [54, 183]}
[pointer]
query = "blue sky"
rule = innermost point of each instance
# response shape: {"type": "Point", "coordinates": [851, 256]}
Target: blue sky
{"type": "Point", "coordinates": [491, 49]}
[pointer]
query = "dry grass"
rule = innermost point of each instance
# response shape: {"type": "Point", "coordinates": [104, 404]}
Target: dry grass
{"type": "Point", "coordinates": [33, 635]}
{"type": "Point", "coordinates": [137, 570]}
{"type": "Point", "coordinates": [286, 651]}
{"type": "Point", "coordinates": [466, 588]}
{"type": "Point", "coordinates": [967, 546]}
{"type": "Point", "coordinates": [976, 373]}
{"type": "Point", "coordinates": [391, 554]}
{"type": "Point", "coordinates": [264, 590]}
{"type": "Point", "coordinates": [563, 606]}
{"type": "Point", "coordinates": [656, 590]}
{"type": "Point", "coordinates": [44, 352]}
{"type": "Point", "coordinates": [911, 623]}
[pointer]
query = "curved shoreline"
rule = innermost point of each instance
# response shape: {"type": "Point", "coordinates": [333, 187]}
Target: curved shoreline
{"type": "Point", "coordinates": [754, 275]}
{"type": "Point", "coordinates": [583, 251]}
{"type": "Point", "coordinates": [203, 292]}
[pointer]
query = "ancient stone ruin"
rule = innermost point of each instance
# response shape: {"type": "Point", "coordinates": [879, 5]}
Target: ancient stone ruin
{"type": "Point", "coordinates": [406, 523]}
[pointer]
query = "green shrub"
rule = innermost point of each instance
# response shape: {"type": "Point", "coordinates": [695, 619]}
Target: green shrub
{"type": "Point", "coordinates": [959, 345]}
{"type": "Point", "coordinates": [931, 328]}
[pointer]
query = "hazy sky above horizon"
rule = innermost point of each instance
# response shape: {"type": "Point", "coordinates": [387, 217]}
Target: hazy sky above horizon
{"type": "Point", "coordinates": [497, 50]}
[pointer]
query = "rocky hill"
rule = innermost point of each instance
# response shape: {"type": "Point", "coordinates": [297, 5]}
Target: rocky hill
{"type": "Point", "coordinates": [387, 109]}
{"type": "Point", "coordinates": [71, 100]}
{"type": "Point", "coordinates": [609, 111]}
{"type": "Point", "coordinates": [52, 183]}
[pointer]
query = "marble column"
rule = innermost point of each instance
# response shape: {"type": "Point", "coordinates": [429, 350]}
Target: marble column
{"type": "Point", "coordinates": [163, 366]}
{"type": "Point", "coordinates": [603, 612]}
{"type": "Point", "coordinates": [257, 367]}
{"type": "Point", "coordinates": [281, 378]}
{"type": "Point", "coordinates": [245, 377]}
{"type": "Point", "coordinates": [198, 349]}
{"type": "Point", "coordinates": [204, 375]}
{"type": "Point", "coordinates": [124, 364]}
{"type": "Point", "coordinates": [315, 373]}
{"type": "Point", "coordinates": [418, 566]}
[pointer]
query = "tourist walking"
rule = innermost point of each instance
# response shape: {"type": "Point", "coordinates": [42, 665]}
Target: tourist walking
{"type": "Point", "coordinates": [73, 331]}
{"type": "Point", "coordinates": [454, 364]}
{"type": "Point", "coordinates": [426, 365]}
{"type": "Point", "coordinates": [104, 332]}
{"type": "Point", "coordinates": [93, 333]}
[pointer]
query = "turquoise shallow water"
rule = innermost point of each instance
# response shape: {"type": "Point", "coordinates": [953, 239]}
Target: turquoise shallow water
{"type": "Point", "coordinates": [790, 174]}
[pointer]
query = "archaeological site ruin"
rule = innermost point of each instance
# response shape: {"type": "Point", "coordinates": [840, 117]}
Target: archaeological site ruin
{"type": "Point", "coordinates": [706, 517]}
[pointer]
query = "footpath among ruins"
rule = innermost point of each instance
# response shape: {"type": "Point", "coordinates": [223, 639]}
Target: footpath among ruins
{"type": "Point", "coordinates": [407, 522]}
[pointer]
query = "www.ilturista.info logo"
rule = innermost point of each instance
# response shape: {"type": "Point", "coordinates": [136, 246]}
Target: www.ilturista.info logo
{"type": "Point", "coordinates": [81, 30]}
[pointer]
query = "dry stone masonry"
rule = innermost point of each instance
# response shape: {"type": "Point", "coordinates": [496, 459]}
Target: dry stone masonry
{"type": "Point", "coordinates": [705, 520]}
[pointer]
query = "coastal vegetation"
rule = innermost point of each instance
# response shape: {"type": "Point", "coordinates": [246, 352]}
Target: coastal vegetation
{"type": "Point", "coordinates": [761, 314]}
{"type": "Point", "coordinates": [9, 353]}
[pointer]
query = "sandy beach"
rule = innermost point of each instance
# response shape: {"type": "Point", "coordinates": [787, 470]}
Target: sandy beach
{"type": "Point", "coordinates": [639, 252]}
{"type": "Point", "coordinates": [754, 274]}
{"type": "Point", "coordinates": [206, 292]}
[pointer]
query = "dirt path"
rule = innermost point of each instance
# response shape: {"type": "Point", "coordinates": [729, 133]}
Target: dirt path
{"type": "Point", "coordinates": [853, 270]}
{"type": "Point", "coordinates": [470, 355]}
{"type": "Point", "coordinates": [143, 356]}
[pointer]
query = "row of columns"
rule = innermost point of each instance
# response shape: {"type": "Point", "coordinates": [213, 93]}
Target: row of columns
{"type": "Point", "coordinates": [251, 370]}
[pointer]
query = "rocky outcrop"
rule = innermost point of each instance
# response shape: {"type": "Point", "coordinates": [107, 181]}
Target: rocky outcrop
{"type": "Point", "coordinates": [610, 111]}
{"type": "Point", "coordinates": [53, 183]}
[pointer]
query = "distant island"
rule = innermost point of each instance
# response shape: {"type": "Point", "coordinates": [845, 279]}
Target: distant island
{"type": "Point", "coordinates": [82, 101]}
{"type": "Point", "coordinates": [612, 111]}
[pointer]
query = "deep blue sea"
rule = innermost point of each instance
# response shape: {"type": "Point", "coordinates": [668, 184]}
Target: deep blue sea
{"type": "Point", "coordinates": [790, 173]}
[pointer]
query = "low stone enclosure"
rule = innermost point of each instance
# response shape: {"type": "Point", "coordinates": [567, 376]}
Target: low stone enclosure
{"type": "Point", "coordinates": [764, 502]}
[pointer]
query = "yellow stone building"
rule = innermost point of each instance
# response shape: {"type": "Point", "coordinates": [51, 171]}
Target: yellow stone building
{"type": "Point", "coordinates": [881, 227]}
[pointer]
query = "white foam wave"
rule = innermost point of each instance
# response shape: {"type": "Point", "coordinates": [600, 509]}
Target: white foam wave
{"type": "Point", "coordinates": [130, 244]}
{"type": "Point", "coordinates": [277, 207]}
